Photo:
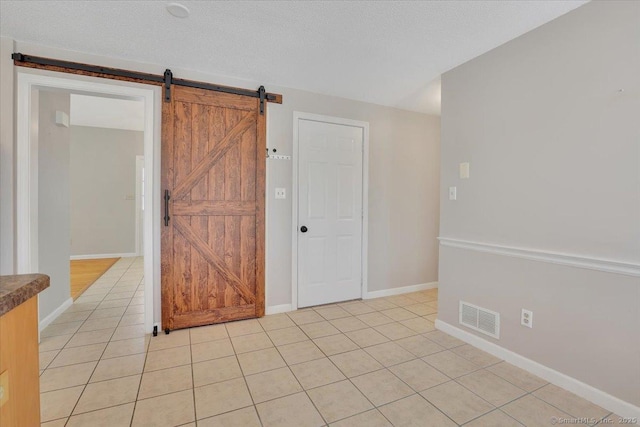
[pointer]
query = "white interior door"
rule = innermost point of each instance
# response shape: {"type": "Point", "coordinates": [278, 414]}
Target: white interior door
{"type": "Point", "coordinates": [330, 186]}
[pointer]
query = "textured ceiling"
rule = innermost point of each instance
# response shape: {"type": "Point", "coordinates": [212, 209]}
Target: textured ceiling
{"type": "Point", "coordinates": [385, 52]}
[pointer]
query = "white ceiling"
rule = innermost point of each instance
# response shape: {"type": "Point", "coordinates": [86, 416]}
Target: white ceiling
{"type": "Point", "coordinates": [384, 52]}
{"type": "Point", "coordinates": [96, 111]}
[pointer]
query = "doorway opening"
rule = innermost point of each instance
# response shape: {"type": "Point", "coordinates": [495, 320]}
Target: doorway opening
{"type": "Point", "coordinates": [105, 149]}
{"type": "Point", "coordinates": [70, 206]}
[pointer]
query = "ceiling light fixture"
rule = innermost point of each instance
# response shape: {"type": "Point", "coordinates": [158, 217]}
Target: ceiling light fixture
{"type": "Point", "coordinates": [178, 10]}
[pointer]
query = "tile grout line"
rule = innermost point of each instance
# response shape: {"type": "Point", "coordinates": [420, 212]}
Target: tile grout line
{"type": "Point", "coordinates": [244, 378]}
{"type": "Point", "coordinates": [496, 409]}
{"type": "Point", "coordinates": [97, 362]}
{"type": "Point", "coordinates": [346, 377]}
{"type": "Point", "coordinates": [95, 368]}
{"type": "Point", "coordinates": [531, 393]}
{"type": "Point", "coordinates": [193, 380]}
{"type": "Point", "coordinates": [383, 368]}
{"type": "Point", "coordinates": [360, 348]}
{"type": "Point", "coordinates": [411, 388]}
{"type": "Point", "coordinates": [326, 423]}
{"type": "Point", "coordinates": [375, 407]}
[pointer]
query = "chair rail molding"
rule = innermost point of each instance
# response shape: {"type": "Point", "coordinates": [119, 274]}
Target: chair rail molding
{"type": "Point", "coordinates": [572, 260]}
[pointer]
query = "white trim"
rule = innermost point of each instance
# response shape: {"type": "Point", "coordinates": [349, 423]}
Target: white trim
{"type": "Point", "coordinates": [399, 291]}
{"type": "Point", "coordinates": [99, 256]}
{"type": "Point", "coordinates": [266, 221]}
{"type": "Point", "coordinates": [138, 196]}
{"type": "Point", "coordinates": [592, 394]}
{"type": "Point", "coordinates": [27, 185]}
{"type": "Point", "coordinates": [275, 309]}
{"type": "Point", "coordinates": [573, 260]}
{"type": "Point", "coordinates": [365, 210]}
{"type": "Point", "coordinates": [294, 216]}
{"type": "Point", "coordinates": [297, 116]}
{"type": "Point", "coordinates": [54, 315]}
{"type": "Point", "coordinates": [24, 179]}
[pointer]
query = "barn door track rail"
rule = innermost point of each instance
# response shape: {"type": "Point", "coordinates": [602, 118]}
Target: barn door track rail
{"type": "Point", "coordinates": [165, 80]}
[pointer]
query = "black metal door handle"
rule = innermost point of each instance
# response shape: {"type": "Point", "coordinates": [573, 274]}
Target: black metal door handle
{"type": "Point", "coordinates": [166, 208]}
{"type": "Point", "coordinates": [304, 229]}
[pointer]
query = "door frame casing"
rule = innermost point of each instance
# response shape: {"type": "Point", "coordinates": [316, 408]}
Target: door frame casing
{"type": "Point", "coordinates": [26, 202]}
{"type": "Point", "coordinates": [139, 212]}
{"type": "Point", "coordinates": [297, 116]}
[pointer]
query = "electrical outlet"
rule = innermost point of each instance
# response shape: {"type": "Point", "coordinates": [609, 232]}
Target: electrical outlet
{"type": "Point", "coordinates": [526, 319]}
{"type": "Point", "coordinates": [281, 193]}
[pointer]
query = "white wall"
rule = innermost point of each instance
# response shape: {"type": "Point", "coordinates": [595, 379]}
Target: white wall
{"type": "Point", "coordinates": [53, 200]}
{"type": "Point", "coordinates": [403, 179]}
{"type": "Point", "coordinates": [555, 160]}
{"type": "Point", "coordinates": [102, 176]}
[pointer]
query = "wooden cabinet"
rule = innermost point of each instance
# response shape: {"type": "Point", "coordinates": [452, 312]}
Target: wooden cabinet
{"type": "Point", "coordinates": [19, 365]}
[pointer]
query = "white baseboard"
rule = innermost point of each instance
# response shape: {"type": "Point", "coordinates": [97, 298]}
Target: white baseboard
{"type": "Point", "coordinates": [592, 394]}
{"type": "Point", "coordinates": [99, 256]}
{"type": "Point", "coordinates": [275, 309]}
{"type": "Point", "coordinates": [54, 315]}
{"type": "Point", "coordinates": [400, 290]}
{"type": "Point", "coordinates": [283, 308]}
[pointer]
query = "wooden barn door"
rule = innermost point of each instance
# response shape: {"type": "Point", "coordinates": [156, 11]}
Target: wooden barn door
{"type": "Point", "coordinates": [213, 177]}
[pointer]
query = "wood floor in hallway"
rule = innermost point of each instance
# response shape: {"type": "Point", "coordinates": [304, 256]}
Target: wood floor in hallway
{"type": "Point", "coordinates": [86, 271]}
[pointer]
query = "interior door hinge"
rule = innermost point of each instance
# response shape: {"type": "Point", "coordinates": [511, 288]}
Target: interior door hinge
{"type": "Point", "coordinates": [168, 79]}
{"type": "Point", "coordinates": [263, 96]}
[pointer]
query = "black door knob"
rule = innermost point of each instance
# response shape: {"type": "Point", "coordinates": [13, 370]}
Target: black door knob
{"type": "Point", "coordinates": [304, 229]}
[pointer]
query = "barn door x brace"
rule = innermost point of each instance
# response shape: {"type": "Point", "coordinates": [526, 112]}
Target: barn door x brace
{"type": "Point", "coordinates": [166, 79]}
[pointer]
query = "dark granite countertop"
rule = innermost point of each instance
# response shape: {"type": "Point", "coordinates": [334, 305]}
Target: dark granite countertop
{"type": "Point", "coordinates": [14, 290]}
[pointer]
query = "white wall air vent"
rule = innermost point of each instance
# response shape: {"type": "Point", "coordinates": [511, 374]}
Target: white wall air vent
{"type": "Point", "coordinates": [480, 319]}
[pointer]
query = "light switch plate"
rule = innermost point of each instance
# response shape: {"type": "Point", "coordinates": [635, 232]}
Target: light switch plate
{"type": "Point", "coordinates": [453, 193]}
{"type": "Point", "coordinates": [464, 170]}
{"type": "Point", "coordinates": [281, 193]}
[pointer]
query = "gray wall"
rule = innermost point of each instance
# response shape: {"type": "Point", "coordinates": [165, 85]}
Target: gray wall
{"type": "Point", "coordinates": [53, 200]}
{"type": "Point", "coordinates": [554, 154]}
{"type": "Point", "coordinates": [404, 174]}
{"type": "Point", "coordinates": [102, 175]}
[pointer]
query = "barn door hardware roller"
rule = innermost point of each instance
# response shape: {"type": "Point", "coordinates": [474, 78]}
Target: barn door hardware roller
{"type": "Point", "coordinates": [166, 80]}
{"type": "Point", "coordinates": [262, 94]}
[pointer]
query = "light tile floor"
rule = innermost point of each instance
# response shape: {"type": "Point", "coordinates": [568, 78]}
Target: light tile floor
{"type": "Point", "coordinates": [362, 363]}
